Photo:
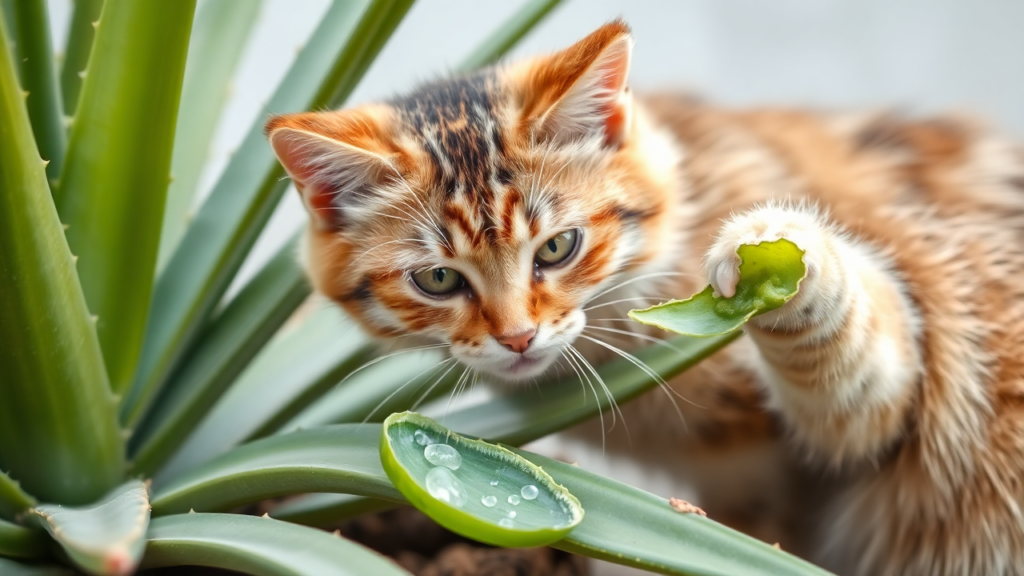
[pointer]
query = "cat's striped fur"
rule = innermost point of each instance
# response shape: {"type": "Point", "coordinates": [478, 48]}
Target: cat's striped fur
{"type": "Point", "coordinates": [874, 424]}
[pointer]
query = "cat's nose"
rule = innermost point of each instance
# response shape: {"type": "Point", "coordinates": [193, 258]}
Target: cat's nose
{"type": "Point", "coordinates": [517, 343]}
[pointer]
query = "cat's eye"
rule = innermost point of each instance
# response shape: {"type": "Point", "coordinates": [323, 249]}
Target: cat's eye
{"type": "Point", "coordinates": [558, 248]}
{"type": "Point", "coordinates": [438, 281]}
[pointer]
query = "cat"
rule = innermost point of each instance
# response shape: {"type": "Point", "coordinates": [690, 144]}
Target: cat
{"type": "Point", "coordinates": [874, 424]}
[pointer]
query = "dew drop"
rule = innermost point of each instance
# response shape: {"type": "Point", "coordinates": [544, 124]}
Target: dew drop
{"type": "Point", "coordinates": [511, 513]}
{"type": "Point", "coordinates": [444, 486]}
{"type": "Point", "coordinates": [489, 501]}
{"type": "Point", "coordinates": [513, 499]}
{"type": "Point", "coordinates": [443, 455]}
{"type": "Point", "coordinates": [494, 482]}
{"type": "Point", "coordinates": [529, 492]}
{"type": "Point", "coordinates": [506, 523]}
{"type": "Point", "coordinates": [421, 438]}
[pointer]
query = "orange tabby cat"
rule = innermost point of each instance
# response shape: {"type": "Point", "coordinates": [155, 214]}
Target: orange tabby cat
{"type": "Point", "coordinates": [874, 424]}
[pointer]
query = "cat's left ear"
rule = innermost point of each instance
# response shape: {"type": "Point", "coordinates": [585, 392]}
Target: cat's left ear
{"type": "Point", "coordinates": [581, 91]}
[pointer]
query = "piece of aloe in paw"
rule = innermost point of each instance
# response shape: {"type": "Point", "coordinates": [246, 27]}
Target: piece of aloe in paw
{"type": "Point", "coordinates": [770, 275]}
{"type": "Point", "coordinates": [479, 490]}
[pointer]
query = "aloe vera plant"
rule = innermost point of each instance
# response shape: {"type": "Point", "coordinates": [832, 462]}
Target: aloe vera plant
{"type": "Point", "coordinates": [140, 407]}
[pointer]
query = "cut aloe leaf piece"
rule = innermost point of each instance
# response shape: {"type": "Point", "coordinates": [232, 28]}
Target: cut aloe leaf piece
{"type": "Point", "coordinates": [770, 275]}
{"type": "Point", "coordinates": [479, 490]}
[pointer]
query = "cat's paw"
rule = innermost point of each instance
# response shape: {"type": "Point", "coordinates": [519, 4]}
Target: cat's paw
{"type": "Point", "coordinates": [804, 227]}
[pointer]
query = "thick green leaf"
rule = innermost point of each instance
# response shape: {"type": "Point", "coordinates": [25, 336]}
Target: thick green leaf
{"type": "Point", "coordinates": [260, 546]}
{"type": "Point", "coordinates": [77, 49]}
{"type": "Point", "coordinates": [770, 275]}
{"type": "Point", "coordinates": [509, 34]}
{"type": "Point", "coordinates": [104, 538]}
{"type": "Point", "coordinates": [342, 458]}
{"type": "Point", "coordinates": [296, 367]}
{"type": "Point", "coordinates": [528, 413]}
{"type": "Point", "coordinates": [13, 500]}
{"type": "Point", "coordinates": [229, 221]}
{"type": "Point", "coordinates": [12, 568]}
{"type": "Point", "coordinates": [112, 189]}
{"type": "Point", "coordinates": [223, 352]}
{"type": "Point", "coordinates": [326, 509]}
{"type": "Point", "coordinates": [393, 384]}
{"type": "Point", "coordinates": [628, 526]}
{"type": "Point", "coordinates": [218, 38]}
{"type": "Point", "coordinates": [482, 491]}
{"type": "Point", "coordinates": [56, 399]}
{"type": "Point", "coordinates": [39, 79]}
{"type": "Point", "coordinates": [20, 542]}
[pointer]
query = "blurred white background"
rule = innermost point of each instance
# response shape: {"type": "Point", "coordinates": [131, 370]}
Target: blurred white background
{"type": "Point", "coordinates": [918, 55]}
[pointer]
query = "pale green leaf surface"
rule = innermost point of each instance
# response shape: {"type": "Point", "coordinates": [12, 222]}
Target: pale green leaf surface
{"type": "Point", "coordinates": [475, 489]}
{"type": "Point", "coordinates": [114, 207]}
{"type": "Point", "coordinates": [343, 458]}
{"type": "Point", "coordinates": [56, 398]}
{"type": "Point", "coordinates": [294, 369]}
{"type": "Point", "coordinates": [225, 349]}
{"type": "Point", "coordinates": [628, 526]}
{"type": "Point", "coordinates": [218, 38]}
{"type": "Point", "coordinates": [770, 275]}
{"type": "Point", "coordinates": [259, 546]}
{"type": "Point", "coordinates": [229, 221]}
{"type": "Point", "coordinates": [20, 542]}
{"type": "Point", "coordinates": [106, 537]}
{"type": "Point", "coordinates": [12, 568]}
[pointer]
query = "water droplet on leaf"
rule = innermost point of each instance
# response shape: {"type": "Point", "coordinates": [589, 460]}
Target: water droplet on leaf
{"type": "Point", "coordinates": [444, 486]}
{"type": "Point", "coordinates": [443, 455]}
{"type": "Point", "coordinates": [489, 501]}
{"type": "Point", "coordinates": [513, 499]}
{"type": "Point", "coordinates": [529, 492]}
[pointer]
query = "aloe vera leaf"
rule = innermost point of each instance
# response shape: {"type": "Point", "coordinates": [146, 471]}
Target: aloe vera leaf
{"type": "Point", "coordinates": [218, 37]}
{"type": "Point", "coordinates": [628, 526]}
{"type": "Point", "coordinates": [508, 34]}
{"type": "Point", "coordinates": [259, 546]}
{"type": "Point", "coordinates": [56, 398]}
{"type": "Point", "coordinates": [394, 384]}
{"type": "Point", "coordinates": [223, 352]}
{"type": "Point", "coordinates": [13, 500]}
{"type": "Point", "coordinates": [343, 458]}
{"type": "Point", "coordinates": [295, 368]}
{"type": "Point", "coordinates": [113, 207]}
{"type": "Point", "coordinates": [524, 415]}
{"type": "Point", "coordinates": [20, 542]}
{"type": "Point", "coordinates": [770, 275]}
{"type": "Point", "coordinates": [104, 538]}
{"type": "Point", "coordinates": [229, 221]}
{"type": "Point", "coordinates": [479, 490]}
{"type": "Point", "coordinates": [39, 79]}
{"type": "Point", "coordinates": [12, 568]}
{"type": "Point", "coordinates": [76, 51]}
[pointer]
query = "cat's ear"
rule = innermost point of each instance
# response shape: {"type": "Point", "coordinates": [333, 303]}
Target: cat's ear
{"type": "Point", "coordinates": [581, 91]}
{"type": "Point", "coordinates": [335, 159]}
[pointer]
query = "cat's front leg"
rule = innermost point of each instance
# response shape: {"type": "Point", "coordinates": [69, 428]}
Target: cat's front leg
{"type": "Point", "coordinates": [840, 360]}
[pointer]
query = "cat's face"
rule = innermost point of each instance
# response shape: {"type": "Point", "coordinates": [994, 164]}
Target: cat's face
{"type": "Point", "coordinates": [482, 212]}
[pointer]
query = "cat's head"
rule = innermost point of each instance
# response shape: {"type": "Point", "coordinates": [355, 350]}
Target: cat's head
{"type": "Point", "coordinates": [484, 211]}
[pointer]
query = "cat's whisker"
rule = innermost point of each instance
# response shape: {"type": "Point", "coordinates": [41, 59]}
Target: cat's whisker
{"type": "Point", "coordinates": [386, 356]}
{"type": "Point", "coordinates": [630, 320]}
{"type": "Point", "coordinates": [621, 300]}
{"type": "Point", "coordinates": [440, 378]}
{"type": "Point", "coordinates": [607, 392]}
{"type": "Point", "coordinates": [637, 279]}
{"type": "Point", "coordinates": [645, 337]}
{"type": "Point", "coordinates": [398, 241]}
{"type": "Point", "coordinates": [455, 392]}
{"type": "Point", "coordinates": [579, 370]}
{"type": "Point", "coordinates": [430, 370]}
{"type": "Point", "coordinates": [669, 392]}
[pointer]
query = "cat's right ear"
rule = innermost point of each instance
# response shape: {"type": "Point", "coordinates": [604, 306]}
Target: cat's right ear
{"type": "Point", "coordinates": [335, 159]}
